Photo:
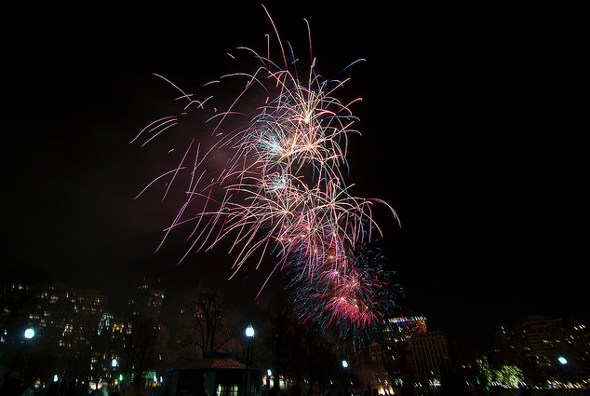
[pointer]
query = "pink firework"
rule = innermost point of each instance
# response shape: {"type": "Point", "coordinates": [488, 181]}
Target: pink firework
{"type": "Point", "coordinates": [278, 186]}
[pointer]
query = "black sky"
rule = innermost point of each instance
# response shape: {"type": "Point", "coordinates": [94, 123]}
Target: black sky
{"type": "Point", "coordinates": [472, 130]}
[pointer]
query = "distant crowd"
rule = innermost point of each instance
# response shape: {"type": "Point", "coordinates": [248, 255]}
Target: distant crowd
{"type": "Point", "coordinates": [12, 384]}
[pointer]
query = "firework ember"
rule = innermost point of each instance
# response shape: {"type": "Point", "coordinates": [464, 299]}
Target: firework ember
{"type": "Point", "coordinates": [269, 179]}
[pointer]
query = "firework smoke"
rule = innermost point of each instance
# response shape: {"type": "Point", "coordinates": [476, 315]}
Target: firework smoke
{"type": "Point", "coordinates": [269, 178]}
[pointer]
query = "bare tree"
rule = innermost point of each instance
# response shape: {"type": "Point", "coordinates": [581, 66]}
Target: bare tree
{"type": "Point", "coordinates": [204, 324]}
{"type": "Point", "coordinates": [140, 341]}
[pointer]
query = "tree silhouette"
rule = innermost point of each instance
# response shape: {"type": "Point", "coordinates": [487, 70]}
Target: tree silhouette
{"type": "Point", "coordinates": [141, 341]}
{"type": "Point", "coordinates": [293, 349]}
{"type": "Point", "coordinates": [203, 324]}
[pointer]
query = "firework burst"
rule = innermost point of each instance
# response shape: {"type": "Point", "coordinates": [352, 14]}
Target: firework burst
{"type": "Point", "coordinates": [281, 189]}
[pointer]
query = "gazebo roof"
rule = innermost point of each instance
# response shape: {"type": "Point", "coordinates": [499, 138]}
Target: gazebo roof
{"type": "Point", "coordinates": [215, 360]}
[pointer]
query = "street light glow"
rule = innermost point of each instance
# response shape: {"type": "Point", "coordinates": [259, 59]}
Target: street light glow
{"type": "Point", "coordinates": [250, 335]}
{"type": "Point", "coordinates": [562, 360]}
{"type": "Point", "coordinates": [249, 331]}
{"type": "Point", "coordinates": [344, 364]}
{"type": "Point", "coordinates": [29, 333]}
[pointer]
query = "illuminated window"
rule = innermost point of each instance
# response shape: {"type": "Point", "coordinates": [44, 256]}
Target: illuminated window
{"type": "Point", "coordinates": [227, 390]}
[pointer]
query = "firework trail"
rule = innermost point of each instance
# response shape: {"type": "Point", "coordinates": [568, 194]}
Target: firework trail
{"type": "Point", "coordinates": [280, 189]}
{"type": "Point", "coordinates": [348, 305]}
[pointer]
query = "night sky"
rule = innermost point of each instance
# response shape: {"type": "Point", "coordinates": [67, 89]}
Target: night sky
{"type": "Point", "coordinates": [472, 130]}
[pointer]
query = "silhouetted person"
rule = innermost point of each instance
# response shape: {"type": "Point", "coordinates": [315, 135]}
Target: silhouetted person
{"type": "Point", "coordinates": [452, 385]}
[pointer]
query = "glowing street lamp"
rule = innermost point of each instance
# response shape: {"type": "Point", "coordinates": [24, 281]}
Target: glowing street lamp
{"type": "Point", "coordinates": [29, 333]}
{"type": "Point", "coordinates": [346, 377]}
{"type": "Point", "coordinates": [249, 331]}
{"type": "Point", "coordinates": [114, 364]}
{"type": "Point", "coordinates": [249, 336]}
{"type": "Point", "coordinates": [268, 377]}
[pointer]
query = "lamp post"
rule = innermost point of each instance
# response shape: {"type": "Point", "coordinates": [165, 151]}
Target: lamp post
{"type": "Point", "coordinates": [114, 364]}
{"type": "Point", "coordinates": [28, 334]}
{"type": "Point", "coordinates": [346, 380]}
{"type": "Point", "coordinates": [268, 377]}
{"type": "Point", "coordinates": [563, 369]}
{"type": "Point", "coordinates": [249, 336]}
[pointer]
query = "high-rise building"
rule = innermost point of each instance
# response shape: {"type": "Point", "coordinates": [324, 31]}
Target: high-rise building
{"type": "Point", "coordinates": [63, 319]}
{"type": "Point", "coordinates": [71, 334]}
{"type": "Point", "coordinates": [390, 363]}
{"type": "Point", "coordinates": [108, 348]}
{"type": "Point", "coordinates": [401, 329]}
{"type": "Point", "coordinates": [430, 355]}
{"type": "Point", "coordinates": [146, 301]}
{"type": "Point", "coordinates": [413, 352]}
{"type": "Point", "coordinates": [540, 338]}
{"type": "Point", "coordinates": [579, 340]}
{"type": "Point", "coordinates": [144, 336]}
{"type": "Point", "coordinates": [548, 350]}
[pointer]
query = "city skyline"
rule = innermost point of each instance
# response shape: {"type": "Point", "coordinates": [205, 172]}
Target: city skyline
{"type": "Point", "coordinates": [468, 131]}
{"type": "Point", "coordinates": [70, 331]}
{"type": "Point", "coordinates": [168, 306]}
